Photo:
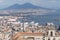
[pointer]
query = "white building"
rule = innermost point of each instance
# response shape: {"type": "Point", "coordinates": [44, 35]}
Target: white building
{"type": "Point", "coordinates": [49, 32]}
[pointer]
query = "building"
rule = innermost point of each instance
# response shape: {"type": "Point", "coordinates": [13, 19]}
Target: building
{"type": "Point", "coordinates": [48, 32]}
{"type": "Point", "coordinates": [11, 29]}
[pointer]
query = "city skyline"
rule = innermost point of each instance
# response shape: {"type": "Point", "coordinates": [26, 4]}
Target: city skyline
{"type": "Point", "coordinates": [43, 3]}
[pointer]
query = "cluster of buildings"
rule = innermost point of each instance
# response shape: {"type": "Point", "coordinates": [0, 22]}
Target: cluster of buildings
{"type": "Point", "coordinates": [6, 24]}
{"type": "Point", "coordinates": [11, 29]}
{"type": "Point", "coordinates": [38, 32]}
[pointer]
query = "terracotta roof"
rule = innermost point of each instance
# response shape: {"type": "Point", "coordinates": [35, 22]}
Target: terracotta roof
{"type": "Point", "coordinates": [27, 34]}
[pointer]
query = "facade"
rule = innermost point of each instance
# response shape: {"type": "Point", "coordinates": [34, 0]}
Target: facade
{"type": "Point", "coordinates": [5, 33]}
{"type": "Point", "coordinates": [48, 32]}
{"type": "Point", "coordinates": [11, 29]}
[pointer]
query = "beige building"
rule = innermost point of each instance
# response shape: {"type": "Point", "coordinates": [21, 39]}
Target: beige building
{"type": "Point", "coordinates": [48, 32]}
{"type": "Point", "coordinates": [28, 36]}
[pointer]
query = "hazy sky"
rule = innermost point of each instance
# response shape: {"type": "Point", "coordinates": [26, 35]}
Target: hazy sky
{"type": "Point", "coordinates": [43, 3]}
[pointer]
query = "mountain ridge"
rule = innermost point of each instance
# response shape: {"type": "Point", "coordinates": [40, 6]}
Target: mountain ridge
{"type": "Point", "coordinates": [42, 10]}
{"type": "Point", "coordinates": [23, 6]}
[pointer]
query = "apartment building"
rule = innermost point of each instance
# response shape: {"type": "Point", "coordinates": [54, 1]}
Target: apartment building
{"type": "Point", "coordinates": [48, 32]}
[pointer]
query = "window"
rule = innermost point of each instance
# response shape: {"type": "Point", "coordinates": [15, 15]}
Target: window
{"type": "Point", "coordinates": [47, 33]}
{"type": "Point", "coordinates": [49, 39]}
{"type": "Point", "coordinates": [53, 38]}
{"type": "Point", "coordinates": [30, 38]}
{"type": "Point", "coordinates": [51, 33]}
{"type": "Point", "coordinates": [43, 39]}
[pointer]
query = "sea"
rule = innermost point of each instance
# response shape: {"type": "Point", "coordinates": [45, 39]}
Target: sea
{"type": "Point", "coordinates": [42, 19]}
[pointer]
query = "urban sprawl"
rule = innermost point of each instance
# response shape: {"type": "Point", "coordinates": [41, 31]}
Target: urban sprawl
{"type": "Point", "coordinates": [11, 29]}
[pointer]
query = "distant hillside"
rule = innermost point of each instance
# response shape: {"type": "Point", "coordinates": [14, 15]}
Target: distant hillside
{"type": "Point", "coordinates": [24, 6]}
{"type": "Point", "coordinates": [36, 10]}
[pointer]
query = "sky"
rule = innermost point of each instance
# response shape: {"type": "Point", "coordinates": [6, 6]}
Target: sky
{"type": "Point", "coordinates": [55, 4]}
